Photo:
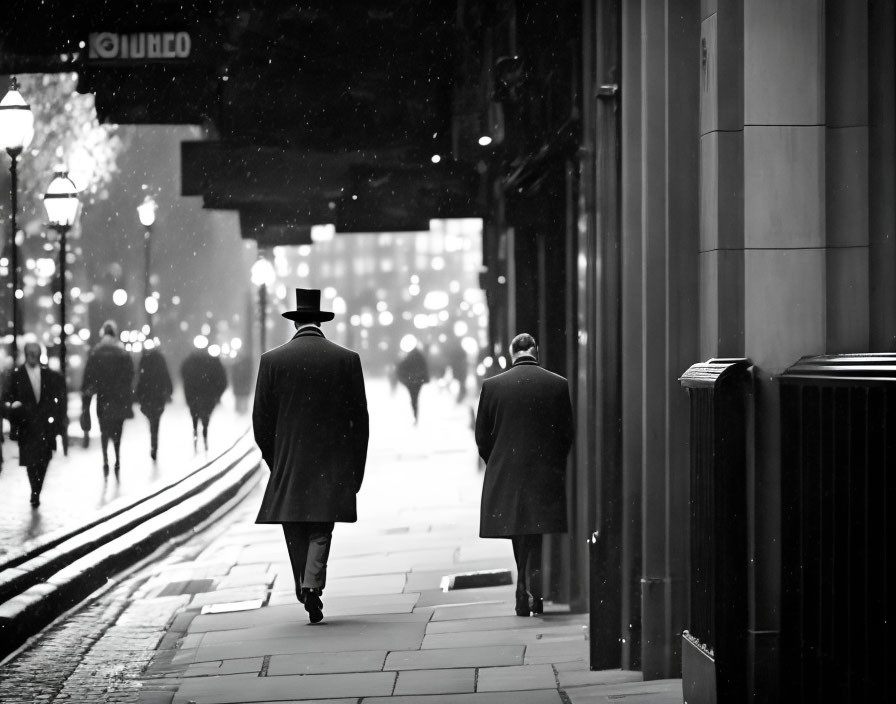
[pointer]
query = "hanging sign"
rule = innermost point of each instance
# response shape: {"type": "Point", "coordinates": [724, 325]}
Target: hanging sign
{"type": "Point", "coordinates": [139, 47]}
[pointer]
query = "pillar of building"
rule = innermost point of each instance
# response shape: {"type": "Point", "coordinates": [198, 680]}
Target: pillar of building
{"type": "Point", "coordinates": [631, 338]}
{"type": "Point", "coordinates": [669, 226]}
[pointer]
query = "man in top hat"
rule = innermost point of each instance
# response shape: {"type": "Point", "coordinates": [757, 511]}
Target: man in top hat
{"type": "Point", "coordinates": [310, 421]}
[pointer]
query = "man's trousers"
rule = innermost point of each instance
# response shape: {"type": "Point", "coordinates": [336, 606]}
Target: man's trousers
{"type": "Point", "coordinates": [527, 552]}
{"type": "Point", "coordinates": [308, 544]}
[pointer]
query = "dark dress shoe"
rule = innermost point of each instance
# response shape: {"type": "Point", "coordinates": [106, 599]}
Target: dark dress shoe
{"type": "Point", "coordinates": [313, 605]}
{"type": "Point", "coordinates": [537, 605]}
{"type": "Point", "coordinates": [522, 604]}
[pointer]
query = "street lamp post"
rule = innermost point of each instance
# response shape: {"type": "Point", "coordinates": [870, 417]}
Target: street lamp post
{"type": "Point", "coordinates": [263, 276]}
{"type": "Point", "coordinates": [61, 203]}
{"type": "Point", "coordinates": [16, 132]}
{"type": "Point", "coordinates": [146, 212]}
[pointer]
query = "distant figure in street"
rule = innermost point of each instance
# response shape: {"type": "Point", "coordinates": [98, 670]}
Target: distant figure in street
{"type": "Point", "coordinates": [33, 400]}
{"type": "Point", "coordinates": [524, 431]}
{"type": "Point", "coordinates": [310, 421]}
{"type": "Point", "coordinates": [109, 375]}
{"type": "Point", "coordinates": [6, 369]}
{"type": "Point", "coordinates": [457, 362]}
{"type": "Point", "coordinates": [154, 390]}
{"type": "Point", "coordinates": [413, 372]}
{"type": "Point", "coordinates": [204, 380]}
{"type": "Point", "coordinates": [241, 379]}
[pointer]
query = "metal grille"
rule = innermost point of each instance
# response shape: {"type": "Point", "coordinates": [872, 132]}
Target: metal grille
{"type": "Point", "coordinates": [714, 647]}
{"type": "Point", "coordinates": [838, 434]}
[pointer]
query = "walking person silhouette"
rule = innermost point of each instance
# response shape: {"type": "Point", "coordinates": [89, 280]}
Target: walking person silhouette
{"type": "Point", "coordinates": [524, 431]}
{"type": "Point", "coordinates": [109, 375]}
{"type": "Point", "coordinates": [310, 421]}
{"type": "Point", "coordinates": [204, 380]}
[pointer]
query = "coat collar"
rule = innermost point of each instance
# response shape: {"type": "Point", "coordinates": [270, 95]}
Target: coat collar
{"type": "Point", "coordinates": [309, 331]}
{"type": "Point", "coordinates": [525, 359]}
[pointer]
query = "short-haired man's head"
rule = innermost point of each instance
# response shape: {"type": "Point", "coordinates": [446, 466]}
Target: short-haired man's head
{"type": "Point", "coordinates": [32, 352]}
{"type": "Point", "coordinates": [523, 343]}
{"type": "Point", "coordinates": [109, 328]}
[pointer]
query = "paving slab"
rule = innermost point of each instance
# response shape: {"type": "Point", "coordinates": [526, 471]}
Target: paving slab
{"type": "Point", "coordinates": [451, 681]}
{"type": "Point", "coordinates": [556, 651]}
{"type": "Point", "coordinates": [498, 623]}
{"type": "Point", "coordinates": [580, 677]}
{"type": "Point", "coordinates": [654, 692]}
{"type": "Point", "coordinates": [331, 636]}
{"type": "Point", "coordinates": [515, 677]}
{"type": "Point", "coordinates": [327, 663]}
{"type": "Point", "coordinates": [355, 586]}
{"type": "Point", "coordinates": [354, 605]}
{"type": "Point", "coordinates": [225, 667]}
{"type": "Point", "coordinates": [512, 636]}
{"type": "Point", "coordinates": [436, 597]}
{"type": "Point", "coordinates": [540, 696]}
{"type": "Point", "coordinates": [229, 595]}
{"type": "Point", "coordinates": [355, 631]}
{"type": "Point", "coordinates": [236, 689]}
{"type": "Point", "coordinates": [454, 658]}
{"type": "Point", "coordinates": [246, 579]}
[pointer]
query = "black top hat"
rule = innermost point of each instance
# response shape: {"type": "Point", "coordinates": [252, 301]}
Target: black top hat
{"type": "Point", "coordinates": [308, 307]}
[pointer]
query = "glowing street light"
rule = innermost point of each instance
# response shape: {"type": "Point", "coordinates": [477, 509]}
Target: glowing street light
{"type": "Point", "coordinates": [16, 133]}
{"type": "Point", "coordinates": [61, 202]}
{"type": "Point", "coordinates": [146, 213]}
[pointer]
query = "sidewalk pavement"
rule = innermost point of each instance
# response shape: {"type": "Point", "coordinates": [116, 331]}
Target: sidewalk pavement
{"type": "Point", "coordinates": [236, 633]}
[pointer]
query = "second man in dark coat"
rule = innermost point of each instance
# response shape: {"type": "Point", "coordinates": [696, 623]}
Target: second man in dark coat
{"type": "Point", "coordinates": [310, 421]}
{"type": "Point", "coordinates": [205, 380]}
{"type": "Point", "coordinates": [109, 374]}
{"type": "Point", "coordinates": [154, 390]}
{"type": "Point", "coordinates": [524, 432]}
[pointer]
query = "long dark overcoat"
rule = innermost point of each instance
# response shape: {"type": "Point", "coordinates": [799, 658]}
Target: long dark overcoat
{"type": "Point", "coordinates": [38, 422]}
{"type": "Point", "coordinates": [524, 431]}
{"type": "Point", "coordinates": [204, 380]}
{"type": "Point", "coordinates": [154, 386]}
{"type": "Point", "coordinates": [310, 421]}
{"type": "Point", "coordinates": [109, 373]}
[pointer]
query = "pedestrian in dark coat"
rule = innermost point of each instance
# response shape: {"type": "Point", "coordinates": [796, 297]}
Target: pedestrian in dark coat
{"type": "Point", "coordinates": [109, 375]}
{"type": "Point", "coordinates": [204, 381]}
{"type": "Point", "coordinates": [310, 421]}
{"type": "Point", "coordinates": [153, 392]}
{"type": "Point", "coordinates": [34, 400]}
{"type": "Point", "coordinates": [413, 372]}
{"type": "Point", "coordinates": [524, 431]}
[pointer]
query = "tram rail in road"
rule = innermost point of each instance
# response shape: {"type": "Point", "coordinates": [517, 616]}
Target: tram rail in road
{"type": "Point", "coordinates": [39, 584]}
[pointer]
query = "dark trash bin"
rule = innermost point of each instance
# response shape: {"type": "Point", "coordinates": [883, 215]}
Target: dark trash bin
{"type": "Point", "coordinates": [714, 646]}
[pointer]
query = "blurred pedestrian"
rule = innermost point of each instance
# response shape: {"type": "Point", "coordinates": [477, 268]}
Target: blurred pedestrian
{"type": "Point", "coordinates": [310, 421]}
{"type": "Point", "coordinates": [109, 375]}
{"type": "Point", "coordinates": [6, 369]}
{"type": "Point", "coordinates": [241, 379]}
{"type": "Point", "coordinates": [33, 400]}
{"type": "Point", "coordinates": [154, 390]}
{"type": "Point", "coordinates": [457, 362]}
{"type": "Point", "coordinates": [524, 431]}
{"type": "Point", "coordinates": [413, 372]}
{"type": "Point", "coordinates": [204, 381]}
